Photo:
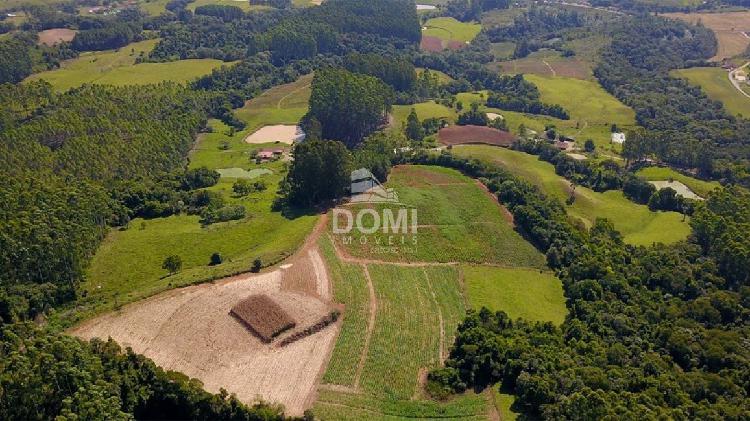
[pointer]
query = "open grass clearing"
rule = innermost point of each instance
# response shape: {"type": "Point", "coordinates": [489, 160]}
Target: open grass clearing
{"type": "Point", "coordinates": [127, 266]}
{"type": "Point", "coordinates": [284, 104]}
{"type": "Point", "coordinates": [529, 294]}
{"type": "Point", "coordinates": [457, 222]}
{"type": "Point", "coordinates": [117, 67]}
{"type": "Point", "coordinates": [700, 187]}
{"type": "Point", "coordinates": [715, 83]}
{"type": "Point", "coordinates": [450, 29]}
{"type": "Point", "coordinates": [728, 27]}
{"type": "Point", "coordinates": [637, 223]}
{"type": "Point", "coordinates": [424, 110]}
{"type": "Point", "coordinates": [543, 63]}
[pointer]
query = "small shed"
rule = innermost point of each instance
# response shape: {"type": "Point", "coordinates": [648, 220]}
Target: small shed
{"type": "Point", "coordinates": [618, 138]}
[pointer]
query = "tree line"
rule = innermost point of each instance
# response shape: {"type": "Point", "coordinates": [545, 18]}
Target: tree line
{"type": "Point", "coordinates": [653, 332]}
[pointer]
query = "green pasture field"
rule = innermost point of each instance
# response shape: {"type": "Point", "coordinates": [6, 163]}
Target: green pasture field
{"type": "Point", "coordinates": [442, 77]}
{"type": "Point", "coordinates": [586, 102]}
{"type": "Point", "coordinates": [522, 293]}
{"type": "Point", "coordinates": [599, 132]}
{"type": "Point", "coordinates": [457, 222]}
{"type": "Point", "coordinates": [154, 7]}
{"type": "Point", "coordinates": [127, 266]}
{"type": "Point", "coordinates": [450, 29]}
{"type": "Point", "coordinates": [410, 304]}
{"type": "Point", "coordinates": [637, 223]}
{"type": "Point", "coordinates": [714, 81]}
{"type": "Point", "coordinates": [117, 67]}
{"type": "Point", "coordinates": [700, 187]}
{"type": "Point", "coordinates": [424, 110]}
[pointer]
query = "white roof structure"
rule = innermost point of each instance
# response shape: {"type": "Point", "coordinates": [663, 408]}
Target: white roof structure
{"type": "Point", "coordinates": [618, 138]}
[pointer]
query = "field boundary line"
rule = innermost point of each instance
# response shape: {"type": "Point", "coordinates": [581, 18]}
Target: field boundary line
{"type": "Point", "coordinates": [441, 350]}
{"type": "Point", "coordinates": [370, 327]}
{"type": "Point", "coordinates": [278, 104]}
{"type": "Point", "coordinates": [554, 73]}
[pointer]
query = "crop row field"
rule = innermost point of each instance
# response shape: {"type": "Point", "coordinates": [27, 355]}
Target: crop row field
{"type": "Point", "coordinates": [457, 221]}
{"type": "Point", "coordinates": [637, 223]}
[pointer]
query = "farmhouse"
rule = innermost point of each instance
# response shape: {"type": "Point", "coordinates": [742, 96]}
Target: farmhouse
{"type": "Point", "coordinates": [618, 138]}
{"type": "Point", "coordinates": [265, 155]}
{"type": "Point", "coordinates": [564, 145]}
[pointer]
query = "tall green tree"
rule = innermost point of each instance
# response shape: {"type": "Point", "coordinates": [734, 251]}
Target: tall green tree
{"type": "Point", "coordinates": [319, 173]}
{"type": "Point", "coordinates": [414, 129]}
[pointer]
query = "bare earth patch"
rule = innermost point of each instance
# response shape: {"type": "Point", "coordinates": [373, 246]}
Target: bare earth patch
{"type": "Point", "coordinates": [279, 133]}
{"type": "Point", "coordinates": [51, 37]}
{"type": "Point", "coordinates": [191, 330]}
{"type": "Point", "coordinates": [461, 135]}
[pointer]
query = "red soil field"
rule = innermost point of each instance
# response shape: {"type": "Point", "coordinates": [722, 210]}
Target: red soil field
{"type": "Point", "coordinates": [461, 135]}
{"type": "Point", "coordinates": [51, 37]}
{"type": "Point", "coordinates": [432, 44]}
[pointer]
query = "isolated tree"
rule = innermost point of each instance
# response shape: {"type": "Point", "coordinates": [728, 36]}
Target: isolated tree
{"type": "Point", "coordinates": [589, 145]}
{"type": "Point", "coordinates": [216, 259]}
{"type": "Point", "coordinates": [172, 264]}
{"type": "Point", "coordinates": [414, 129]}
{"type": "Point", "coordinates": [257, 264]}
{"type": "Point", "coordinates": [242, 187]}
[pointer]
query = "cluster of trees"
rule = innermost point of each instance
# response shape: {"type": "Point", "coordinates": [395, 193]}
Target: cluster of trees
{"type": "Point", "coordinates": [63, 166]}
{"type": "Point", "coordinates": [525, 105]}
{"type": "Point", "coordinates": [397, 72]}
{"type": "Point", "coordinates": [348, 106]}
{"type": "Point", "coordinates": [335, 27]}
{"type": "Point", "coordinates": [468, 10]}
{"type": "Point", "coordinates": [223, 12]}
{"type": "Point", "coordinates": [651, 331]}
{"type": "Point", "coordinates": [684, 127]}
{"type": "Point", "coordinates": [112, 36]}
{"type": "Point", "coordinates": [20, 56]}
{"type": "Point", "coordinates": [606, 175]}
{"type": "Point", "coordinates": [535, 26]}
{"type": "Point", "coordinates": [320, 172]}
{"type": "Point", "coordinates": [48, 375]}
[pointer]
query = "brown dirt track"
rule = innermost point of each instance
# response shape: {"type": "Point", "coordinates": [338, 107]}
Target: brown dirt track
{"type": "Point", "coordinates": [190, 330]}
{"type": "Point", "coordinates": [51, 37]}
{"type": "Point", "coordinates": [463, 135]}
{"type": "Point", "coordinates": [728, 28]}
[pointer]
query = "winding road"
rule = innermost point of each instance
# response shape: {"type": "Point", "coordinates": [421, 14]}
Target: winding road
{"type": "Point", "coordinates": [734, 81]}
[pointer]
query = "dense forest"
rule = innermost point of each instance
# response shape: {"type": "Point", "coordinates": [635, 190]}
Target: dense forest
{"type": "Point", "coordinates": [652, 332]}
{"type": "Point", "coordinates": [684, 127]}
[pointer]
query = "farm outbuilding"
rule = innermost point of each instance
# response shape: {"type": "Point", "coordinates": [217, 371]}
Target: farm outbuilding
{"type": "Point", "coordinates": [618, 138]}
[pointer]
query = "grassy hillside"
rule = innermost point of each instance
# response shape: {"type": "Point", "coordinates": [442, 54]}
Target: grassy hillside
{"type": "Point", "coordinates": [458, 221]}
{"type": "Point", "coordinates": [700, 187]}
{"type": "Point", "coordinates": [424, 111]}
{"type": "Point", "coordinates": [715, 83]}
{"type": "Point", "coordinates": [128, 264]}
{"type": "Point", "coordinates": [450, 29]}
{"type": "Point", "coordinates": [636, 222]}
{"type": "Point", "coordinates": [117, 67]}
{"type": "Point", "coordinates": [525, 293]}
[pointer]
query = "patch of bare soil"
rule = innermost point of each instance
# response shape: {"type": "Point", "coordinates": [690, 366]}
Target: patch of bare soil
{"type": "Point", "coordinates": [462, 135]}
{"type": "Point", "coordinates": [52, 37]}
{"type": "Point", "coordinates": [190, 330]}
